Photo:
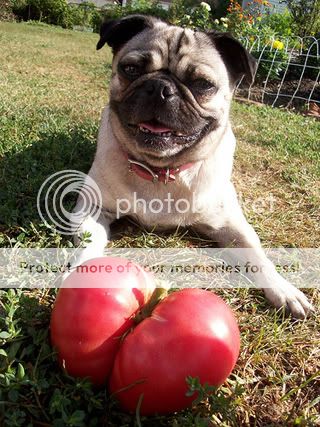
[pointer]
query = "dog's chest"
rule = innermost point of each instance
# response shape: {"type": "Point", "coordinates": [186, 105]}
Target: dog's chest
{"type": "Point", "coordinates": [166, 206]}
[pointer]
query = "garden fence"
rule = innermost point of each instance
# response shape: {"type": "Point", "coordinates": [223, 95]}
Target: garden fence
{"type": "Point", "coordinates": [288, 71]}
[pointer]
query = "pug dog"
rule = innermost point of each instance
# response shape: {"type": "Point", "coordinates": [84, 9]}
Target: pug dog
{"type": "Point", "coordinates": [166, 135]}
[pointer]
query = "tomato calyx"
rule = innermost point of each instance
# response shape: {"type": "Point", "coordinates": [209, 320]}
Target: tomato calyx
{"type": "Point", "coordinates": [157, 295]}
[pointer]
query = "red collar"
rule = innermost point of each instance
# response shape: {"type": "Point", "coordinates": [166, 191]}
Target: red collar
{"type": "Point", "coordinates": [155, 174]}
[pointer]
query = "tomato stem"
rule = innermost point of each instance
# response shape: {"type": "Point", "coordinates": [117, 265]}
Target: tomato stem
{"type": "Point", "coordinates": [158, 295]}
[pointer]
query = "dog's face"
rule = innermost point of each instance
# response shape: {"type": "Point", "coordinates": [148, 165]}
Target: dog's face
{"type": "Point", "coordinates": [170, 86]}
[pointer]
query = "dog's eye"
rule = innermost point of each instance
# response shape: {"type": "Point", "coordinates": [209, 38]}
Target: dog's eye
{"type": "Point", "coordinates": [202, 85]}
{"type": "Point", "coordinates": [132, 71]}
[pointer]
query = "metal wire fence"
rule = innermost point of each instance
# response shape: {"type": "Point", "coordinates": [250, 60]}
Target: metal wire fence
{"type": "Point", "coordinates": [288, 71]}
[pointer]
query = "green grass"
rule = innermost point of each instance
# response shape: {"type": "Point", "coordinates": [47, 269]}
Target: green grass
{"type": "Point", "coordinates": [53, 85]}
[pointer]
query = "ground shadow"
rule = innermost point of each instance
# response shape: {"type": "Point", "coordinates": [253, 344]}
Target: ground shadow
{"type": "Point", "coordinates": [22, 173]}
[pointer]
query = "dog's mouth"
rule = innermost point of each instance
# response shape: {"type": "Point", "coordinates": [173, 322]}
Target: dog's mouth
{"type": "Point", "coordinates": [157, 129]}
{"type": "Point", "coordinates": [158, 136]}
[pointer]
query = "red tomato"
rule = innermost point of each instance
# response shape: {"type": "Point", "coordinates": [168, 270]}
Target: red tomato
{"type": "Point", "coordinates": [89, 317]}
{"type": "Point", "coordinates": [192, 332]}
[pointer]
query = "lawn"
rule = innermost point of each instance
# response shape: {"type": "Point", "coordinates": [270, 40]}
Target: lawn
{"type": "Point", "coordinates": [53, 85]}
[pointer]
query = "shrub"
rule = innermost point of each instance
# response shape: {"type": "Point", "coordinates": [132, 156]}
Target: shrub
{"type": "Point", "coordinates": [312, 63]}
{"type": "Point", "coordinates": [309, 60]}
{"type": "Point", "coordinates": [6, 13]}
{"type": "Point", "coordinates": [49, 11]}
{"type": "Point", "coordinates": [185, 13]}
{"type": "Point", "coordinates": [306, 16]}
{"type": "Point", "coordinates": [83, 14]}
{"type": "Point", "coordinates": [58, 12]}
{"type": "Point", "coordinates": [196, 16]}
{"type": "Point", "coordinates": [143, 7]}
{"type": "Point", "coordinates": [241, 21]}
{"type": "Point", "coordinates": [274, 60]}
{"type": "Point", "coordinates": [19, 8]}
{"type": "Point", "coordinates": [281, 23]}
{"type": "Point", "coordinates": [96, 20]}
{"type": "Point", "coordinates": [219, 9]}
{"type": "Point", "coordinates": [249, 22]}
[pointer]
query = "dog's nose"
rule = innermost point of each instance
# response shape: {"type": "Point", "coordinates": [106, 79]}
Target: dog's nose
{"type": "Point", "coordinates": [160, 88]}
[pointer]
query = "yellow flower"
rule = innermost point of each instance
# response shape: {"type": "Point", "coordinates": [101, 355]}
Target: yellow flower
{"type": "Point", "coordinates": [277, 44]}
{"type": "Point", "coordinates": [259, 18]}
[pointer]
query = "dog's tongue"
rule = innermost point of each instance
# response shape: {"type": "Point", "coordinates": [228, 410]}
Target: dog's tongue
{"type": "Point", "coordinates": [154, 128]}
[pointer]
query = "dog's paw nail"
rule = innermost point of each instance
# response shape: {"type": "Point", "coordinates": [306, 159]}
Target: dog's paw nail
{"type": "Point", "coordinates": [296, 310]}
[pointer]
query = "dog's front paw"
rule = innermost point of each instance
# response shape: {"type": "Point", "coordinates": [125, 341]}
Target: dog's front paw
{"type": "Point", "coordinates": [283, 294]}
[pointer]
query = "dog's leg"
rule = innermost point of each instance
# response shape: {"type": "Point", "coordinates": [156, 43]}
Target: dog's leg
{"type": "Point", "coordinates": [99, 233]}
{"type": "Point", "coordinates": [237, 232]}
{"type": "Point", "coordinates": [98, 230]}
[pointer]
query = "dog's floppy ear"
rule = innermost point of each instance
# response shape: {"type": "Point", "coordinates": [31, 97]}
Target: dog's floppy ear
{"type": "Point", "coordinates": [239, 62]}
{"type": "Point", "coordinates": [117, 32]}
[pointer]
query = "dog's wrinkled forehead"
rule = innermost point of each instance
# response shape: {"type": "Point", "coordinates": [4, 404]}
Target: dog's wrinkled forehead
{"type": "Point", "coordinates": [167, 47]}
{"type": "Point", "coordinates": [178, 50]}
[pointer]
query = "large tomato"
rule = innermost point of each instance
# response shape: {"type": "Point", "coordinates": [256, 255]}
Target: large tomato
{"type": "Point", "coordinates": [93, 310]}
{"type": "Point", "coordinates": [192, 332]}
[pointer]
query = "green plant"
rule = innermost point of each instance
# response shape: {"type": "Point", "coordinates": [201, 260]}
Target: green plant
{"type": "Point", "coordinates": [50, 11]}
{"type": "Point", "coordinates": [273, 61]}
{"type": "Point", "coordinates": [6, 13]}
{"type": "Point", "coordinates": [222, 401]}
{"type": "Point", "coordinates": [306, 16]}
{"type": "Point", "coordinates": [187, 14]}
{"type": "Point", "coordinates": [240, 21]}
{"type": "Point", "coordinates": [96, 20]}
{"type": "Point", "coordinates": [84, 14]}
{"type": "Point", "coordinates": [308, 63]}
{"type": "Point", "coordinates": [144, 7]}
{"type": "Point", "coordinates": [250, 22]}
{"type": "Point", "coordinates": [19, 8]}
{"type": "Point", "coordinates": [198, 16]}
{"type": "Point", "coordinates": [179, 9]}
{"type": "Point", "coordinates": [219, 9]}
{"type": "Point", "coordinates": [281, 23]}
{"type": "Point", "coordinates": [58, 12]}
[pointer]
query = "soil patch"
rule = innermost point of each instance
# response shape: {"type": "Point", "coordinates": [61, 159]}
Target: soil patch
{"type": "Point", "coordinates": [307, 89]}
